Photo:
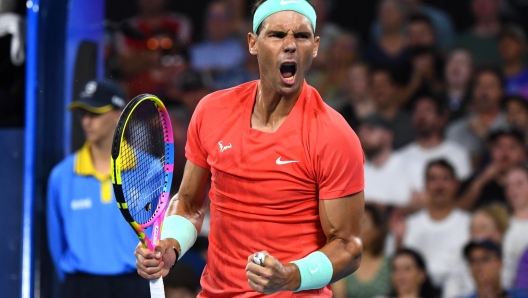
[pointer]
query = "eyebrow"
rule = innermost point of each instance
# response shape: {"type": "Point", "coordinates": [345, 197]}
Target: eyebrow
{"type": "Point", "coordinates": [286, 32]}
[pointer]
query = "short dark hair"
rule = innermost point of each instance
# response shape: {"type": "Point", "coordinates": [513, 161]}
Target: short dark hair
{"type": "Point", "coordinates": [421, 18]}
{"type": "Point", "coordinates": [493, 70]}
{"type": "Point", "coordinates": [259, 3]}
{"type": "Point", "coordinates": [426, 289]}
{"type": "Point", "coordinates": [439, 104]}
{"type": "Point", "coordinates": [443, 163]}
{"type": "Point", "coordinates": [517, 98]}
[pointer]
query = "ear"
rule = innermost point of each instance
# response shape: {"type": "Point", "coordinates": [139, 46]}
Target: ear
{"type": "Point", "coordinates": [317, 40]}
{"type": "Point", "coordinates": [252, 43]}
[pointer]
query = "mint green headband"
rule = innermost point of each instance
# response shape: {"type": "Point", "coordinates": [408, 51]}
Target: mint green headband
{"type": "Point", "coordinates": [270, 7]}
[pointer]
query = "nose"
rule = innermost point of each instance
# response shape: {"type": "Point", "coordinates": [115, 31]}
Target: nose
{"type": "Point", "coordinates": [290, 45]}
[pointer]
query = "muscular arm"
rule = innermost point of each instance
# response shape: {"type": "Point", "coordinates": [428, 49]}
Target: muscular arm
{"type": "Point", "coordinates": [341, 222]}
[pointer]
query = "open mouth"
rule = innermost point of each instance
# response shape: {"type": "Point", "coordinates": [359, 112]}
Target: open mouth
{"type": "Point", "coordinates": [288, 70]}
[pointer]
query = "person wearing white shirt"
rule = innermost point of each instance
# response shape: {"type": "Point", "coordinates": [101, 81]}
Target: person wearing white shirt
{"type": "Point", "coordinates": [441, 230]}
{"type": "Point", "coordinates": [516, 237]}
{"type": "Point", "coordinates": [385, 180]}
{"type": "Point", "coordinates": [429, 119]}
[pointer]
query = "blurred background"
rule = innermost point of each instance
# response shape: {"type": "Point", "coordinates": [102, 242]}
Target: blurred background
{"type": "Point", "coordinates": [437, 92]}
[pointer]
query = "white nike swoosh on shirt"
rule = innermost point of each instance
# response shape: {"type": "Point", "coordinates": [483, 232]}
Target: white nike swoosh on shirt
{"type": "Point", "coordinates": [284, 2]}
{"type": "Point", "coordinates": [283, 162]}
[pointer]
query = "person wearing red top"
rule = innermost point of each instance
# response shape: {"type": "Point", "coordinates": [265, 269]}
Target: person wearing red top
{"type": "Point", "coordinates": [286, 174]}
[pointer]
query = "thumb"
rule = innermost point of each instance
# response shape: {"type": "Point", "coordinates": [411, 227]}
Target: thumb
{"type": "Point", "coordinates": [158, 250]}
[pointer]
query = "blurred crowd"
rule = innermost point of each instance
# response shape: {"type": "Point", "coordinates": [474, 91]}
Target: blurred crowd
{"type": "Point", "coordinates": [442, 117]}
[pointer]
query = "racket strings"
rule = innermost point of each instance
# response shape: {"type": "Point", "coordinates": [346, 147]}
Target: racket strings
{"type": "Point", "coordinates": [144, 154]}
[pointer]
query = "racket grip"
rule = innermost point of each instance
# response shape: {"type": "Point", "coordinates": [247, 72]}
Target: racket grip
{"type": "Point", "coordinates": [156, 288]}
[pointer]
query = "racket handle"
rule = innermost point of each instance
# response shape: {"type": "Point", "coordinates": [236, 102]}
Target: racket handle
{"type": "Point", "coordinates": [156, 288]}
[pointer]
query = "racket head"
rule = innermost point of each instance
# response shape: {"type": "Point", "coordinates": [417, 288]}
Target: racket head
{"type": "Point", "coordinates": [142, 164]}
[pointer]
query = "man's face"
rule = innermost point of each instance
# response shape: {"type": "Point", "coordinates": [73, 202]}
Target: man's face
{"type": "Point", "coordinates": [426, 119]}
{"type": "Point", "coordinates": [383, 89]}
{"type": "Point", "coordinates": [458, 69]}
{"type": "Point", "coordinates": [485, 266]}
{"type": "Point", "coordinates": [285, 49]}
{"type": "Point", "coordinates": [488, 92]}
{"type": "Point", "coordinates": [517, 188]}
{"type": "Point", "coordinates": [511, 49]}
{"type": "Point", "coordinates": [507, 151]}
{"type": "Point", "coordinates": [421, 34]}
{"type": "Point", "coordinates": [373, 139]}
{"type": "Point", "coordinates": [484, 10]}
{"type": "Point", "coordinates": [440, 185]}
{"type": "Point", "coordinates": [99, 127]}
{"type": "Point", "coordinates": [219, 21]}
{"type": "Point", "coordinates": [517, 114]}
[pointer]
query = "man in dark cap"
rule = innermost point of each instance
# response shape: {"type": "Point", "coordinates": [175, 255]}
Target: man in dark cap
{"type": "Point", "coordinates": [485, 261]}
{"type": "Point", "coordinates": [89, 241]}
{"type": "Point", "coordinates": [506, 146]}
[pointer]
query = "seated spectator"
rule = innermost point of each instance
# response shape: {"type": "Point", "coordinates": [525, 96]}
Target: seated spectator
{"type": "Point", "coordinates": [487, 185]}
{"type": "Point", "coordinates": [485, 260]}
{"type": "Point", "coordinates": [389, 49]}
{"type": "Point", "coordinates": [512, 46]}
{"type": "Point", "coordinates": [442, 24]}
{"type": "Point", "coordinates": [220, 50]}
{"type": "Point", "coordinates": [324, 27]}
{"type": "Point", "coordinates": [141, 60]}
{"type": "Point", "coordinates": [516, 237]}
{"type": "Point", "coordinates": [385, 93]}
{"type": "Point", "coordinates": [457, 75]}
{"type": "Point", "coordinates": [440, 231]}
{"type": "Point", "coordinates": [489, 222]}
{"type": "Point", "coordinates": [421, 31]}
{"type": "Point", "coordinates": [373, 276]}
{"type": "Point", "coordinates": [385, 182]}
{"type": "Point", "coordinates": [181, 282]}
{"type": "Point", "coordinates": [516, 108]}
{"type": "Point", "coordinates": [429, 119]}
{"type": "Point", "coordinates": [470, 131]}
{"type": "Point", "coordinates": [481, 39]}
{"type": "Point", "coordinates": [409, 276]}
{"type": "Point", "coordinates": [357, 99]}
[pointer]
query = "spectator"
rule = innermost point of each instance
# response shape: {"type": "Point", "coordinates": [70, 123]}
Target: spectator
{"type": "Point", "coordinates": [487, 185]}
{"type": "Point", "coordinates": [146, 62]}
{"type": "Point", "coordinates": [385, 93]}
{"type": "Point", "coordinates": [331, 84]}
{"type": "Point", "coordinates": [443, 26]}
{"type": "Point", "coordinates": [373, 276]}
{"type": "Point", "coordinates": [516, 108]}
{"type": "Point", "coordinates": [181, 282]}
{"type": "Point", "coordinates": [516, 239]}
{"type": "Point", "coordinates": [457, 75]}
{"type": "Point", "coordinates": [385, 183]}
{"type": "Point", "coordinates": [429, 119]}
{"type": "Point", "coordinates": [409, 276]}
{"type": "Point", "coordinates": [471, 130]}
{"type": "Point", "coordinates": [481, 39]}
{"type": "Point", "coordinates": [329, 30]}
{"type": "Point", "coordinates": [421, 31]}
{"type": "Point", "coordinates": [80, 190]}
{"type": "Point", "coordinates": [485, 260]}
{"type": "Point", "coordinates": [220, 50]}
{"type": "Point", "coordinates": [390, 48]}
{"type": "Point", "coordinates": [440, 231]}
{"type": "Point", "coordinates": [512, 46]}
{"type": "Point", "coordinates": [358, 101]}
{"type": "Point", "coordinates": [489, 222]}
{"type": "Point", "coordinates": [521, 280]}
{"type": "Point", "coordinates": [246, 72]}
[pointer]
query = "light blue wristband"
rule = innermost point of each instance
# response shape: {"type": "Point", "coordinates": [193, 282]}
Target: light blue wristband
{"type": "Point", "coordinates": [182, 230]}
{"type": "Point", "coordinates": [316, 271]}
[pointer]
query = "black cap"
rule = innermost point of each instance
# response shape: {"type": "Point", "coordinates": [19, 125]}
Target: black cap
{"type": "Point", "coordinates": [485, 244]}
{"type": "Point", "coordinates": [506, 131]}
{"type": "Point", "coordinates": [376, 120]}
{"type": "Point", "coordinates": [192, 80]}
{"type": "Point", "coordinates": [100, 96]}
{"type": "Point", "coordinates": [514, 31]}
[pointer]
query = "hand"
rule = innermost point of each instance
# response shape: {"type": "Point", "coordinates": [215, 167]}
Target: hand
{"type": "Point", "coordinates": [490, 173]}
{"type": "Point", "coordinates": [155, 264]}
{"type": "Point", "coordinates": [273, 277]}
{"type": "Point", "coordinates": [397, 224]}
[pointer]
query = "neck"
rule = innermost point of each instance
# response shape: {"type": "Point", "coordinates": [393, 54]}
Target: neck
{"type": "Point", "coordinates": [382, 156]}
{"type": "Point", "coordinates": [456, 91]}
{"type": "Point", "coordinates": [271, 108]}
{"type": "Point", "coordinates": [440, 212]}
{"type": "Point", "coordinates": [490, 289]}
{"type": "Point", "coordinates": [521, 213]}
{"type": "Point", "coordinates": [432, 140]}
{"type": "Point", "coordinates": [513, 67]}
{"type": "Point", "coordinates": [100, 152]}
{"type": "Point", "coordinates": [389, 111]}
{"type": "Point", "coordinates": [486, 27]}
{"type": "Point", "coordinates": [414, 294]}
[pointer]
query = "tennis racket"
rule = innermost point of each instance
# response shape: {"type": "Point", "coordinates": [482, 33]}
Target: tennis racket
{"type": "Point", "coordinates": [142, 165]}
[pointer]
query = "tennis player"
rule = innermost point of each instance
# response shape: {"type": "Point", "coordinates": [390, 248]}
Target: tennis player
{"type": "Point", "coordinates": [286, 175]}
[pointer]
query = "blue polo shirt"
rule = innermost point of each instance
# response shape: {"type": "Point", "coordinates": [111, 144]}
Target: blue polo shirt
{"type": "Point", "coordinates": [86, 231]}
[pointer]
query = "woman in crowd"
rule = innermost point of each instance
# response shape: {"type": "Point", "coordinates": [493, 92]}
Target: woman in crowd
{"type": "Point", "coordinates": [373, 276]}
